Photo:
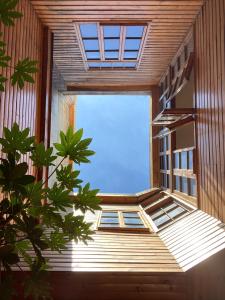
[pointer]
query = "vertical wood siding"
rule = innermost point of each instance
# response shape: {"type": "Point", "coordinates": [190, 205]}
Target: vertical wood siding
{"type": "Point", "coordinates": [23, 40]}
{"type": "Point", "coordinates": [210, 103]}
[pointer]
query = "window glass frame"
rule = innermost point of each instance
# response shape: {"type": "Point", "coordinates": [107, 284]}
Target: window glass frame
{"type": "Point", "coordinates": [131, 63]}
{"type": "Point", "coordinates": [123, 225]}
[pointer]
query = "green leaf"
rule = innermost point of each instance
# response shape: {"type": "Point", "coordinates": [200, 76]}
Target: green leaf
{"type": "Point", "coordinates": [68, 178]}
{"type": "Point", "coordinates": [23, 71]}
{"type": "Point", "coordinates": [73, 147]}
{"type": "Point", "coordinates": [42, 157]}
{"type": "Point", "coordinates": [57, 241]}
{"type": "Point", "coordinates": [59, 198]}
{"type": "Point", "coordinates": [87, 199]}
{"type": "Point", "coordinates": [16, 141]}
{"type": "Point", "coordinates": [2, 81]}
{"type": "Point", "coordinates": [8, 12]}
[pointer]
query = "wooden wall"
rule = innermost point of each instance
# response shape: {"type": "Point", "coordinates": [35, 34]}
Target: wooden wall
{"type": "Point", "coordinates": [194, 238]}
{"type": "Point", "coordinates": [210, 102]}
{"type": "Point", "coordinates": [23, 40]}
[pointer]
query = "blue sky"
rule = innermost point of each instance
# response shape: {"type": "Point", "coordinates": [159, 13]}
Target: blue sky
{"type": "Point", "coordinates": [119, 126]}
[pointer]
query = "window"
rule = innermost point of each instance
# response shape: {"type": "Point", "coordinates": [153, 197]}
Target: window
{"type": "Point", "coordinates": [125, 220]}
{"type": "Point", "coordinates": [111, 46]}
{"type": "Point", "coordinates": [184, 177]}
{"type": "Point", "coordinates": [167, 213]}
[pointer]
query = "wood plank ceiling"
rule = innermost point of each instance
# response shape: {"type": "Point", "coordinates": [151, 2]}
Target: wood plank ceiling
{"type": "Point", "coordinates": [170, 22]}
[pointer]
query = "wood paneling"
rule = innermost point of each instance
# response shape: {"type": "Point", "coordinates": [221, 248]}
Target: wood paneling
{"type": "Point", "coordinates": [206, 281]}
{"type": "Point", "coordinates": [194, 238]}
{"type": "Point", "coordinates": [210, 103]}
{"type": "Point", "coordinates": [170, 21]}
{"type": "Point", "coordinates": [116, 286]}
{"type": "Point", "coordinates": [23, 40]}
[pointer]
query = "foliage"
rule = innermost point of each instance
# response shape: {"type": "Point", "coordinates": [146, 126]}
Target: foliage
{"type": "Point", "coordinates": [23, 69]}
{"type": "Point", "coordinates": [26, 224]}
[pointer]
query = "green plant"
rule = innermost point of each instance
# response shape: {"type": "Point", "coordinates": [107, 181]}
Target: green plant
{"type": "Point", "coordinates": [28, 224]}
{"type": "Point", "coordinates": [24, 68]}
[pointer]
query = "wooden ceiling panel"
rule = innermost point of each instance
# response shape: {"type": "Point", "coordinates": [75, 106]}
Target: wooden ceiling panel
{"type": "Point", "coordinates": [170, 22]}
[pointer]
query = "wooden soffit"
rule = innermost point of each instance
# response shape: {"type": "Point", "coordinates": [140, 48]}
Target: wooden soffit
{"type": "Point", "coordinates": [170, 22]}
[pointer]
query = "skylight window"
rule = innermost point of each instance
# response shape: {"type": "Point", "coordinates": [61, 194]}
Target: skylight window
{"type": "Point", "coordinates": [111, 46]}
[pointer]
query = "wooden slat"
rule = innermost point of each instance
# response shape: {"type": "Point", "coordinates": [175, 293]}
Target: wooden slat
{"type": "Point", "coordinates": [170, 21]}
{"type": "Point", "coordinates": [210, 103]}
{"type": "Point", "coordinates": [23, 40]}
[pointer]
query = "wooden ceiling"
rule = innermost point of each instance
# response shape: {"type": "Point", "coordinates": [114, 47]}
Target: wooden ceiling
{"type": "Point", "coordinates": [170, 22]}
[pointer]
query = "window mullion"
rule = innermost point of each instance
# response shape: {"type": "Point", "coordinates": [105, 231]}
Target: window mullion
{"type": "Point", "coordinates": [122, 42]}
{"type": "Point", "coordinates": [101, 42]}
{"type": "Point", "coordinates": [121, 220]}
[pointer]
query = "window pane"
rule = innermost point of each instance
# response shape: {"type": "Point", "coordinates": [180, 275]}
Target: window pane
{"type": "Point", "coordinates": [135, 226]}
{"type": "Point", "coordinates": [177, 183]}
{"type": "Point", "coordinates": [106, 65]}
{"type": "Point", "coordinates": [193, 187]}
{"type": "Point", "coordinates": [161, 220]}
{"type": "Point", "coordinates": [94, 65]}
{"type": "Point", "coordinates": [109, 220]}
{"type": "Point", "coordinates": [111, 31]}
{"type": "Point", "coordinates": [132, 44]}
{"type": "Point", "coordinates": [134, 31]}
{"type": "Point", "coordinates": [130, 215]}
{"type": "Point", "coordinates": [177, 160]}
{"type": "Point", "coordinates": [132, 221]}
{"type": "Point", "coordinates": [170, 206]}
{"type": "Point", "coordinates": [168, 181]}
{"type": "Point", "coordinates": [91, 45]}
{"type": "Point", "coordinates": [108, 225]}
{"type": "Point", "coordinates": [176, 212]}
{"type": "Point", "coordinates": [113, 44]}
{"type": "Point", "coordinates": [130, 55]}
{"type": "Point", "coordinates": [93, 55]}
{"type": "Point", "coordinates": [112, 55]}
{"type": "Point", "coordinates": [190, 157]}
{"type": "Point", "coordinates": [88, 30]}
{"type": "Point", "coordinates": [184, 186]}
{"type": "Point", "coordinates": [157, 213]}
{"type": "Point", "coordinates": [184, 160]}
{"type": "Point", "coordinates": [109, 214]}
{"type": "Point", "coordinates": [130, 64]}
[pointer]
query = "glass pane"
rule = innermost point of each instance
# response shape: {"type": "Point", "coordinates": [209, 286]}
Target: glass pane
{"type": "Point", "coordinates": [168, 181]}
{"type": "Point", "coordinates": [124, 65]}
{"type": "Point", "coordinates": [135, 226]}
{"type": "Point", "coordinates": [184, 160]}
{"type": "Point", "coordinates": [132, 44]}
{"type": "Point", "coordinates": [109, 220]}
{"type": "Point", "coordinates": [175, 212]}
{"type": "Point", "coordinates": [133, 221]}
{"type": "Point", "coordinates": [93, 55]}
{"type": "Point", "coordinates": [193, 187]}
{"type": "Point", "coordinates": [94, 65]}
{"type": "Point", "coordinates": [157, 213]}
{"type": "Point", "coordinates": [190, 162]}
{"type": "Point", "coordinates": [91, 45]}
{"type": "Point", "coordinates": [161, 220]}
{"type": "Point", "coordinates": [134, 31]}
{"type": "Point", "coordinates": [177, 160]}
{"type": "Point", "coordinates": [177, 183]}
{"type": "Point", "coordinates": [109, 214]}
{"type": "Point", "coordinates": [112, 55]}
{"type": "Point", "coordinates": [113, 44]}
{"type": "Point", "coordinates": [130, 64]}
{"type": "Point", "coordinates": [108, 225]}
{"type": "Point", "coordinates": [184, 186]}
{"type": "Point", "coordinates": [130, 215]}
{"type": "Point", "coordinates": [170, 206]}
{"type": "Point", "coordinates": [130, 55]}
{"type": "Point", "coordinates": [106, 65]}
{"type": "Point", "coordinates": [111, 31]}
{"type": "Point", "coordinates": [88, 30]}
